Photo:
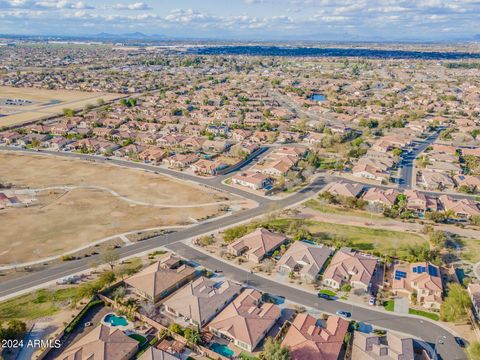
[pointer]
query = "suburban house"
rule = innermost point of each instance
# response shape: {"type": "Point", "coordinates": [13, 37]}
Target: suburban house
{"type": "Point", "coordinates": [207, 167]}
{"type": "Point", "coordinates": [153, 155]}
{"type": "Point", "coordinates": [308, 339]}
{"type": "Point", "coordinates": [370, 171]}
{"type": "Point", "coordinates": [469, 181]}
{"type": "Point", "coordinates": [246, 320]}
{"type": "Point", "coordinates": [344, 189]}
{"type": "Point", "coordinates": [161, 278]}
{"type": "Point", "coordinates": [422, 279]}
{"type": "Point", "coordinates": [200, 300]}
{"type": "Point", "coordinates": [155, 354]}
{"type": "Point", "coordinates": [386, 197]}
{"type": "Point", "coordinates": [350, 267]}
{"type": "Point", "coordinates": [389, 347]}
{"type": "Point", "coordinates": [181, 160]}
{"type": "Point", "coordinates": [474, 292]}
{"type": "Point", "coordinates": [436, 180]}
{"type": "Point", "coordinates": [102, 343]}
{"type": "Point", "coordinates": [257, 245]}
{"type": "Point", "coordinates": [463, 208]}
{"type": "Point", "coordinates": [419, 202]}
{"type": "Point", "coordinates": [252, 180]}
{"type": "Point", "coordinates": [304, 258]}
{"type": "Point", "coordinates": [8, 201]}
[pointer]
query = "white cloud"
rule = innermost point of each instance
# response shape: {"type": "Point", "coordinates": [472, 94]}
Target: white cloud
{"type": "Point", "coordinates": [133, 6]}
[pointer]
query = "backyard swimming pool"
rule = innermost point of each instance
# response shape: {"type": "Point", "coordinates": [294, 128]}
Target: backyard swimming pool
{"type": "Point", "coordinates": [223, 350]}
{"type": "Point", "coordinates": [115, 320]}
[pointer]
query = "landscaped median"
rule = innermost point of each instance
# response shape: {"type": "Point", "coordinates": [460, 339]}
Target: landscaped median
{"type": "Point", "coordinates": [328, 292]}
{"type": "Point", "coordinates": [389, 305]}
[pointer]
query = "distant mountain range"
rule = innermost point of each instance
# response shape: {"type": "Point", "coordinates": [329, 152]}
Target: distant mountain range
{"type": "Point", "coordinates": [127, 36]}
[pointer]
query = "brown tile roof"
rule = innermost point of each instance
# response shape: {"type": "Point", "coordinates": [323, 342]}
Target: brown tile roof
{"type": "Point", "coordinates": [203, 298]}
{"type": "Point", "coordinates": [308, 340]}
{"type": "Point", "coordinates": [246, 318]}
{"type": "Point", "coordinates": [157, 278]}
{"type": "Point", "coordinates": [102, 343]}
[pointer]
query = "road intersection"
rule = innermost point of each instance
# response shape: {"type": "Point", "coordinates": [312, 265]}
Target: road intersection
{"type": "Point", "coordinates": [423, 329]}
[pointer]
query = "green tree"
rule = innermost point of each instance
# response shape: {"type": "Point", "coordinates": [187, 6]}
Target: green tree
{"type": "Point", "coordinates": [68, 112]}
{"type": "Point", "coordinates": [107, 278]}
{"type": "Point", "coordinates": [456, 305]}
{"type": "Point", "coordinates": [192, 336]}
{"type": "Point", "coordinates": [474, 350]}
{"type": "Point", "coordinates": [438, 239]}
{"type": "Point", "coordinates": [234, 233]}
{"type": "Point", "coordinates": [273, 350]}
{"type": "Point", "coordinates": [175, 328]}
{"type": "Point", "coordinates": [110, 257]}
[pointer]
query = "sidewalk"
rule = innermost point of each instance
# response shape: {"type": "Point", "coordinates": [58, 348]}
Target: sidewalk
{"type": "Point", "coordinates": [313, 292]}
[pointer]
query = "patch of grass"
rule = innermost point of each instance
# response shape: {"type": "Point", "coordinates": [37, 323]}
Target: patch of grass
{"type": "Point", "coordinates": [247, 356]}
{"type": "Point", "coordinates": [364, 238]}
{"type": "Point", "coordinates": [332, 209]}
{"type": "Point", "coordinates": [389, 305]}
{"type": "Point", "coordinates": [35, 305]}
{"type": "Point", "coordinates": [470, 250]}
{"type": "Point", "coordinates": [328, 292]}
{"type": "Point", "coordinates": [141, 339]}
{"type": "Point", "coordinates": [426, 314]}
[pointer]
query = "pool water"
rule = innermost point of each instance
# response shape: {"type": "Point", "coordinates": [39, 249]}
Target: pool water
{"type": "Point", "coordinates": [115, 320]}
{"type": "Point", "coordinates": [223, 350]}
{"type": "Point", "coordinates": [318, 97]}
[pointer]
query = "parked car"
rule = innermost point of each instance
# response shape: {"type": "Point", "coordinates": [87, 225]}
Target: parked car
{"type": "Point", "coordinates": [325, 296]}
{"type": "Point", "coordinates": [460, 341]}
{"type": "Point", "coordinates": [372, 300]}
{"type": "Point", "coordinates": [88, 324]}
{"type": "Point", "coordinates": [343, 313]}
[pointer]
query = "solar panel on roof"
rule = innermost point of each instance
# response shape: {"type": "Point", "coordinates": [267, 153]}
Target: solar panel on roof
{"type": "Point", "coordinates": [432, 270]}
{"type": "Point", "coordinates": [414, 269]}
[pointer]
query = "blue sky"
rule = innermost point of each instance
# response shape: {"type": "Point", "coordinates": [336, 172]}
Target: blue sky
{"type": "Point", "coordinates": [350, 20]}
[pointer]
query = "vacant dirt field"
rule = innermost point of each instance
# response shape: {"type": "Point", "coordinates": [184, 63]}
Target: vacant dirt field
{"type": "Point", "coordinates": [44, 103]}
{"type": "Point", "coordinates": [64, 219]}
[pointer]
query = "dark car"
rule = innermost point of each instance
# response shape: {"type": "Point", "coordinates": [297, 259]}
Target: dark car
{"type": "Point", "coordinates": [460, 341]}
{"type": "Point", "coordinates": [344, 314]}
{"type": "Point", "coordinates": [325, 296]}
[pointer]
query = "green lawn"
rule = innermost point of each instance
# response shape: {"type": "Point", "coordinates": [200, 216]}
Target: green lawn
{"type": "Point", "coordinates": [390, 306]}
{"type": "Point", "coordinates": [365, 238]}
{"type": "Point", "coordinates": [327, 292]}
{"type": "Point", "coordinates": [386, 242]}
{"type": "Point", "coordinates": [247, 356]}
{"type": "Point", "coordinates": [36, 305]}
{"type": "Point", "coordinates": [332, 209]}
{"type": "Point", "coordinates": [426, 314]}
{"type": "Point", "coordinates": [141, 339]}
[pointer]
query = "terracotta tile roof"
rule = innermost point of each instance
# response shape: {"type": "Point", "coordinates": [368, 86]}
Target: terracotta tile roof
{"type": "Point", "coordinates": [308, 340]}
{"type": "Point", "coordinates": [102, 343]}
{"type": "Point", "coordinates": [157, 278]}
{"type": "Point", "coordinates": [201, 299]}
{"type": "Point", "coordinates": [309, 257]}
{"type": "Point", "coordinates": [246, 318]}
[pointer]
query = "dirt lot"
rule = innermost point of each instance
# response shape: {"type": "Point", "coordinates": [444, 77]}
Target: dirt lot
{"type": "Point", "coordinates": [63, 220]}
{"type": "Point", "coordinates": [44, 103]}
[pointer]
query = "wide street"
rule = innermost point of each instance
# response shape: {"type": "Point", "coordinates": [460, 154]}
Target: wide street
{"type": "Point", "coordinates": [420, 328]}
{"type": "Point", "coordinates": [426, 330]}
{"type": "Point", "coordinates": [406, 171]}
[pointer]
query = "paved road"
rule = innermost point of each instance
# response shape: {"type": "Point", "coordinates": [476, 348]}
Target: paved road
{"type": "Point", "coordinates": [406, 172]}
{"type": "Point", "coordinates": [425, 330]}
{"type": "Point", "coordinates": [422, 329]}
{"type": "Point", "coordinates": [40, 277]}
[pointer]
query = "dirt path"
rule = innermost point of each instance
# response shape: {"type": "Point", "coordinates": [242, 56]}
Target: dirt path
{"type": "Point", "coordinates": [117, 195]}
